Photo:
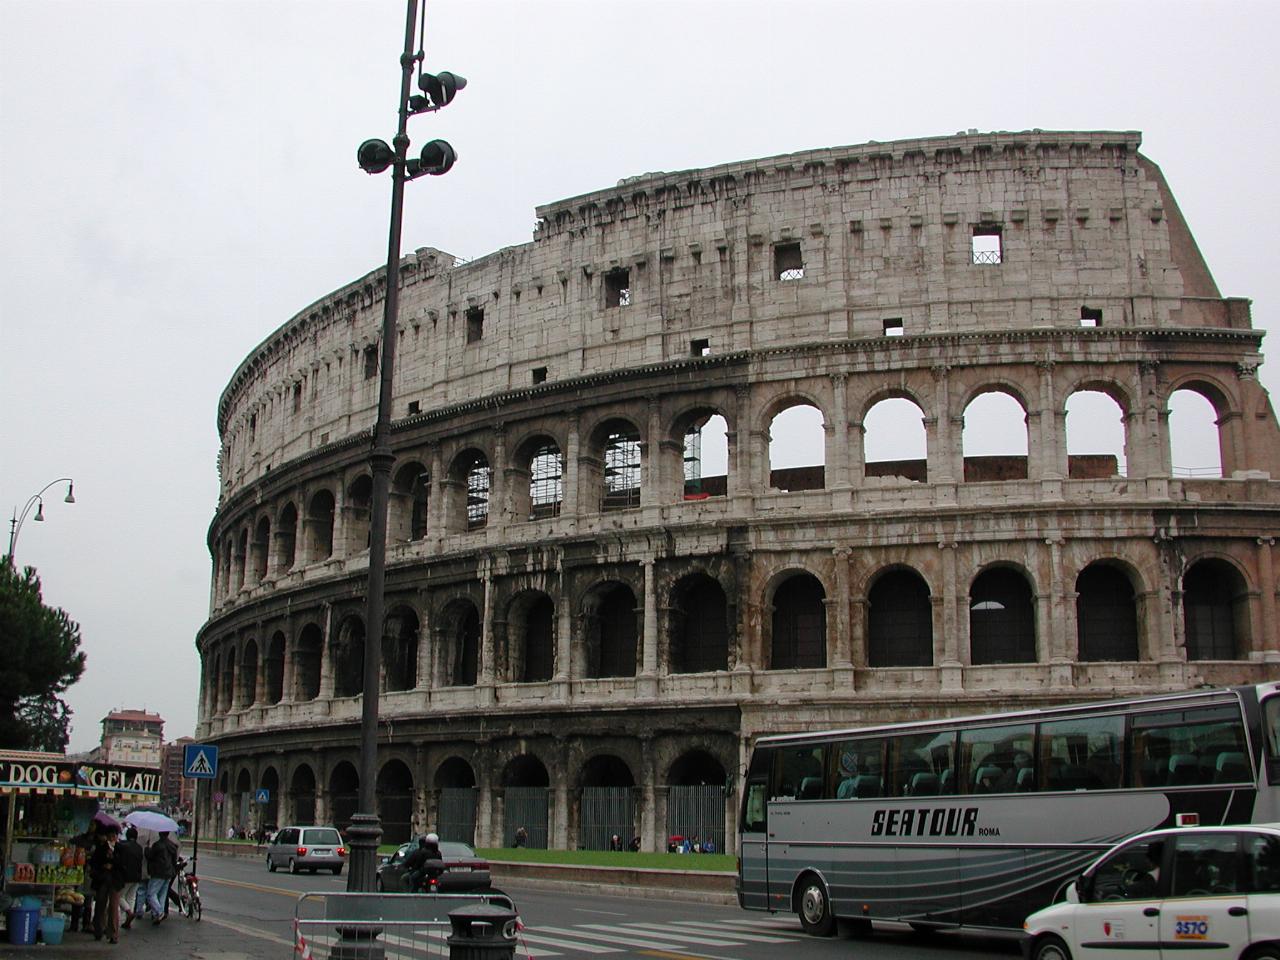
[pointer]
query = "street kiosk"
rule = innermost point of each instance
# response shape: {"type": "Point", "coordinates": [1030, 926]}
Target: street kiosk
{"type": "Point", "coordinates": [46, 799]}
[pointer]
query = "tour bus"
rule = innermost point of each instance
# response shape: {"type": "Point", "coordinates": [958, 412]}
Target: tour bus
{"type": "Point", "coordinates": [979, 821]}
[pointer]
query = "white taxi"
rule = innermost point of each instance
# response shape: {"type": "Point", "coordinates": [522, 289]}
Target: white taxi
{"type": "Point", "coordinates": [1200, 891]}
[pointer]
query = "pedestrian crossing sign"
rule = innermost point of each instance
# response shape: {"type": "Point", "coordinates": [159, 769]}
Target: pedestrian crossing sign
{"type": "Point", "coordinates": [200, 761]}
{"type": "Point", "coordinates": [262, 796]}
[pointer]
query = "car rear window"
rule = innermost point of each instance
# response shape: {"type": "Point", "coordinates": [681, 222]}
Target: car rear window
{"type": "Point", "coordinates": [453, 849]}
{"type": "Point", "coordinates": [321, 837]}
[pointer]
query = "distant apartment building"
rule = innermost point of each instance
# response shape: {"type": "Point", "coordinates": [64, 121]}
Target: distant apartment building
{"type": "Point", "coordinates": [175, 789]}
{"type": "Point", "coordinates": [132, 737]}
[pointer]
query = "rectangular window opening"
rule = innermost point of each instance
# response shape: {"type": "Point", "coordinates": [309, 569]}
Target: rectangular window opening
{"type": "Point", "coordinates": [370, 362]}
{"type": "Point", "coordinates": [475, 324]}
{"type": "Point", "coordinates": [988, 246]}
{"type": "Point", "coordinates": [539, 374]}
{"type": "Point", "coordinates": [1090, 317]}
{"type": "Point", "coordinates": [297, 397]}
{"type": "Point", "coordinates": [788, 261]}
{"type": "Point", "coordinates": [617, 288]}
{"type": "Point", "coordinates": [893, 326]}
{"type": "Point", "coordinates": [415, 406]}
{"type": "Point", "coordinates": [700, 348]}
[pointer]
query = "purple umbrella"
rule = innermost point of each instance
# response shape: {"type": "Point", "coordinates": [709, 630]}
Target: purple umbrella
{"type": "Point", "coordinates": [105, 819]}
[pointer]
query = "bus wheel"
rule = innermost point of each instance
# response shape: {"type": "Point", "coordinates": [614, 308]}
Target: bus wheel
{"type": "Point", "coordinates": [1050, 948]}
{"type": "Point", "coordinates": [815, 908]}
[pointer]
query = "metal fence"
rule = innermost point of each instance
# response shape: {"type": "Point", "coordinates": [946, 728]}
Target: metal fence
{"type": "Point", "coordinates": [606, 811]}
{"type": "Point", "coordinates": [697, 813]}
{"type": "Point", "coordinates": [456, 815]}
{"type": "Point", "coordinates": [343, 926]}
{"type": "Point", "coordinates": [525, 807]}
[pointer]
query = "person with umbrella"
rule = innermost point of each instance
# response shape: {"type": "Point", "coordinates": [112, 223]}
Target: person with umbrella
{"type": "Point", "coordinates": [108, 881]}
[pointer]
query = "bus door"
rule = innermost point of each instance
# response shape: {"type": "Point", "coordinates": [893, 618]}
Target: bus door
{"type": "Point", "coordinates": [753, 837]}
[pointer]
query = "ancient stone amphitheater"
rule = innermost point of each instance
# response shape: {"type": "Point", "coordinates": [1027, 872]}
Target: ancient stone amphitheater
{"type": "Point", "coordinates": [609, 569]}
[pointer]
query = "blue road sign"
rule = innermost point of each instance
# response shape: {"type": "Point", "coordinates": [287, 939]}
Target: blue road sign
{"type": "Point", "coordinates": [262, 796]}
{"type": "Point", "coordinates": [200, 761]}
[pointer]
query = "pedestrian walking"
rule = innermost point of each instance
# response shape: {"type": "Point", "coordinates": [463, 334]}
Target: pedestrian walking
{"type": "Point", "coordinates": [129, 859]}
{"type": "Point", "coordinates": [107, 884]}
{"type": "Point", "coordinates": [162, 867]}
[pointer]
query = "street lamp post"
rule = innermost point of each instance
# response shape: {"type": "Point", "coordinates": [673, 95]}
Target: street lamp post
{"type": "Point", "coordinates": [375, 156]}
{"type": "Point", "coordinates": [35, 500]}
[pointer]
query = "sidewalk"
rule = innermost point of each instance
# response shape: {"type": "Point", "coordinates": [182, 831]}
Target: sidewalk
{"type": "Point", "coordinates": [176, 939]}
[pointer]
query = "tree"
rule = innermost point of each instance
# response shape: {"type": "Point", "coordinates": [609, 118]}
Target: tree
{"type": "Point", "coordinates": [40, 651]}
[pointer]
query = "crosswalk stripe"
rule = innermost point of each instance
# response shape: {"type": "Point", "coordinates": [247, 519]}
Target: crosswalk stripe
{"type": "Point", "coordinates": [527, 937]}
{"type": "Point", "coordinates": [627, 941]}
{"type": "Point", "coordinates": [522, 952]}
{"type": "Point", "coordinates": [675, 936]}
{"type": "Point", "coordinates": [787, 933]}
{"type": "Point", "coordinates": [717, 929]}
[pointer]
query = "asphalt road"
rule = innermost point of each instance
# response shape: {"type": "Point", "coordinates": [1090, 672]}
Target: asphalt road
{"type": "Point", "coordinates": [241, 896]}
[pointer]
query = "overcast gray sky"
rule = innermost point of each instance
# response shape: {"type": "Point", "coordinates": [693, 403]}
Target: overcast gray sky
{"type": "Point", "coordinates": [177, 179]}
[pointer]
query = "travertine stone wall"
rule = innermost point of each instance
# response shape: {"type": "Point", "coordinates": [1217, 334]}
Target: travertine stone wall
{"type": "Point", "coordinates": [885, 235]}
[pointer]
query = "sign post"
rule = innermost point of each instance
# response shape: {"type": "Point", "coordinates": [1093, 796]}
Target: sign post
{"type": "Point", "coordinates": [199, 762]}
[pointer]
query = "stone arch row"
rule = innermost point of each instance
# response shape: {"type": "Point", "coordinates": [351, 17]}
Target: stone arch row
{"type": "Point", "coordinates": [581, 797]}
{"type": "Point", "coordinates": [623, 457]}
{"type": "Point", "coordinates": [531, 641]}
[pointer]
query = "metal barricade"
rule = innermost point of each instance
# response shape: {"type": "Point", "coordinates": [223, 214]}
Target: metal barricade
{"type": "Point", "coordinates": [377, 926]}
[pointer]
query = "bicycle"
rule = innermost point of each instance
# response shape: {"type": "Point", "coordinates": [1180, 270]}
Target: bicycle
{"type": "Point", "coordinates": [186, 888]}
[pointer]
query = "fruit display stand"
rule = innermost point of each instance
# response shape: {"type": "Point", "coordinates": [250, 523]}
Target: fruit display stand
{"type": "Point", "coordinates": [45, 801]}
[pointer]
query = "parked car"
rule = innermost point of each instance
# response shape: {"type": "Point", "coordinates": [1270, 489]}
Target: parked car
{"type": "Point", "coordinates": [1167, 892]}
{"type": "Point", "coordinates": [307, 848]}
{"type": "Point", "coordinates": [463, 870]}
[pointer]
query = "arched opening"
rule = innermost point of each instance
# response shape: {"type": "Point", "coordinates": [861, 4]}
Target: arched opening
{"type": "Point", "coordinates": [260, 551]}
{"type": "Point", "coordinates": [1096, 438]}
{"type": "Point", "coordinates": [344, 795]}
{"type": "Point", "coordinates": [612, 634]}
{"type": "Point", "coordinates": [319, 523]}
{"type": "Point", "coordinates": [248, 693]}
{"type": "Point", "coordinates": [462, 643]}
{"type": "Point", "coordinates": [274, 672]}
{"type": "Point", "coordinates": [696, 802]}
{"type": "Point", "coordinates": [400, 649]}
{"type": "Point", "coordinates": [456, 812]}
{"type": "Point", "coordinates": [242, 803]}
{"type": "Point", "coordinates": [357, 513]}
{"type": "Point", "coordinates": [1106, 614]}
{"type": "Point", "coordinates": [269, 812]}
{"type": "Point", "coordinates": [229, 681]}
{"type": "Point", "coordinates": [1001, 618]}
{"type": "Point", "coordinates": [1215, 611]}
{"type": "Point", "coordinates": [895, 443]}
{"type": "Point", "coordinates": [799, 640]}
{"type": "Point", "coordinates": [797, 449]}
{"type": "Point", "coordinates": [308, 653]}
{"type": "Point", "coordinates": [546, 481]}
{"type": "Point", "coordinates": [621, 457]}
{"type": "Point", "coordinates": [699, 626]}
{"type": "Point", "coordinates": [213, 673]}
{"type": "Point", "coordinates": [395, 801]}
{"type": "Point", "coordinates": [994, 438]}
{"type": "Point", "coordinates": [478, 480]}
{"type": "Point", "coordinates": [407, 514]}
{"type": "Point", "coordinates": [607, 807]}
{"type": "Point", "coordinates": [706, 456]}
{"type": "Point", "coordinates": [1194, 442]}
{"type": "Point", "coordinates": [287, 538]}
{"type": "Point", "coordinates": [302, 788]}
{"type": "Point", "coordinates": [899, 621]}
{"type": "Point", "coordinates": [531, 637]}
{"type": "Point", "coordinates": [346, 654]}
{"type": "Point", "coordinates": [526, 786]}
{"type": "Point", "coordinates": [242, 559]}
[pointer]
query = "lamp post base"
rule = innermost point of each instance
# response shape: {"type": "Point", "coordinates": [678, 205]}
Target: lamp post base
{"type": "Point", "coordinates": [363, 836]}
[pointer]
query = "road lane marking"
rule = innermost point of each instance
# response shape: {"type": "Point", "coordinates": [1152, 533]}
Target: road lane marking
{"type": "Point", "coordinates": [245, 885]}
{"type": "Point", "coordinates": [708, 938]}
{"type": "Point", "coordinates": [526, 937]}
{"type": "Point", "coordinates": [733, 928]}
{"type": "Point", "coordinates": [656, 943]}
{"type": "Point", "coordinates": [698, 925]}
{"type": "Point", "coordinates": [248, 931]}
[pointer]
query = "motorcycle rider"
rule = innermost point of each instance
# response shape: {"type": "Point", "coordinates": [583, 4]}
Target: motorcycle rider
{"type": "Point", "coordinates": [424, 863]}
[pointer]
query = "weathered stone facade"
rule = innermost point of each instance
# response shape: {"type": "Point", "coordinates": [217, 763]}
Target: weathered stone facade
{"type": "Point", "coordinates": [569, 609]}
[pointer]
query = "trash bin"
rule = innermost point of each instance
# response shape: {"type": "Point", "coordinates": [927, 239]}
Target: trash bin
{"type": "Point", "coordinates": [22, 925]}
{"type": "Point", "coordinates": [52, 928]}
{"type": "Point", "coordinates": [482, 932]}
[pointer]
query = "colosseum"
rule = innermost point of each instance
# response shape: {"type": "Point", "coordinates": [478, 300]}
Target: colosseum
{"type": "Point", "coordinates": [702, 461]}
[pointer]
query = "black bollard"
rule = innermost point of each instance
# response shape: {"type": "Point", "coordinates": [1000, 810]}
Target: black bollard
{"type": "Point", "coordinates": [482, 932]}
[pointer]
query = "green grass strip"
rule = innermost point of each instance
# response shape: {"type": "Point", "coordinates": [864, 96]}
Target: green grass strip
{"type": "Point", "coordinates": [711, 862]}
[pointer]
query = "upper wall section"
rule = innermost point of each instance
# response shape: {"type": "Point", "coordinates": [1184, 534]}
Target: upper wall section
{"type": "Point", "coordinates": [828, 245]}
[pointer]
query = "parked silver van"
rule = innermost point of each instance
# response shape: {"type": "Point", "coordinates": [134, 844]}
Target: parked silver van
{"type": "Point", "coordinates": [307, 848]}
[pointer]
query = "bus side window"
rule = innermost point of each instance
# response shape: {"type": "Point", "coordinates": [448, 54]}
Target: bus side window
{"type": "Point", "coordinates": [921, 765]}
{"type": "Point", "coordinates": [1189, 747]}
{"type": "Point", "coordinates": [755, 817]}
{"type": "Point", "coordinates": [802, 773]}
{"type": "Point", "coordinates": [991, 759]}
{"type": "Point", "coordinates": [1082, 753]}
{"type": "Point", "coordinates": [859, 769]}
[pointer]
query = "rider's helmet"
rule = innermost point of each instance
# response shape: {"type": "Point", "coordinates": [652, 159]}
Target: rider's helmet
{"type": "Point", "coordinates": [432, 838]}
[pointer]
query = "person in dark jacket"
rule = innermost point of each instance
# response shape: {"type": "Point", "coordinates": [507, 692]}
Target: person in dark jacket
{"type": "Point", "coordinates": [162, 867]}
{"type": "Point", "coordinates": [129, 856]}
{"type": "Point", "coordinates": [423, 863]}
{"type": "Point", "coordinates": [107, 884]}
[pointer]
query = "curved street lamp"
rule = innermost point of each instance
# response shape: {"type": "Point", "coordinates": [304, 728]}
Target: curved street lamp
{"type": "Point", "coordinates": [35, 500]}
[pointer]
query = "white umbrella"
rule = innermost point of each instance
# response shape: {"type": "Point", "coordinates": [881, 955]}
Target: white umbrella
{"type": "Point", "coordinates": [151, 820]}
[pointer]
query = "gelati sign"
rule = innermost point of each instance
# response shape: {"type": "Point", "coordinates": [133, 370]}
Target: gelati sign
{"type": "Point", "coordinates": [55, 774]}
